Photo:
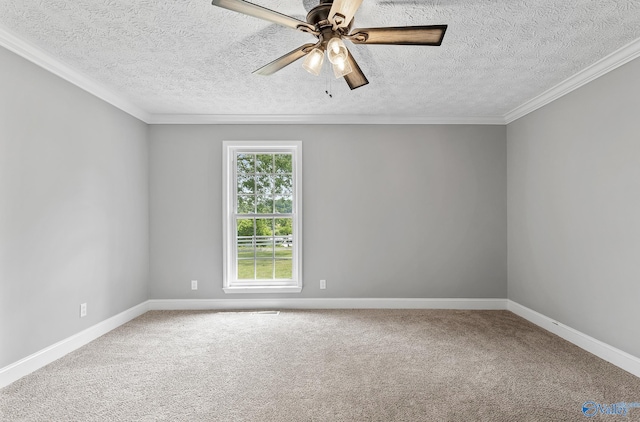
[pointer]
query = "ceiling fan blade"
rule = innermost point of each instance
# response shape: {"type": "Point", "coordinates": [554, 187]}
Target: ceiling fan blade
{"type": "Point", "coordinates": [356, 78]}
{"type": "Point", "coordinates": [260, 12]}
{"type": "Point", "coordinates": [342, 11]}
{"type": "Point", "coordinates": [403, 35]}
{"type": "Point", "coordinates": [285, 60]}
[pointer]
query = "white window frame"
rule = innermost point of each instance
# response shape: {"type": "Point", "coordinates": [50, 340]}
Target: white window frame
{"type": "Point", "coordinates": [229, 197]}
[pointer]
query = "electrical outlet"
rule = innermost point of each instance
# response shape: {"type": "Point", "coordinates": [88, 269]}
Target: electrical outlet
{"type": "Point", "coordinates": [323, 284]}
{"type": "Point", "coordinates": [194, 284]}
{"type": "Point", "coordinates": [83, 310]}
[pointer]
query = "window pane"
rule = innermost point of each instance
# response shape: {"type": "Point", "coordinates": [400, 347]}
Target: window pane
{"type": "Point", "coordinates": [264, 269]}
{"type": "Point", "coordinates": [284, 184]}
{"type": "Point", "coordinates": [246, 184]}
{"type": "Point", "coordinates": [264, 163]}
{"type": "Point", "coordinates": [264, 184]}
{"type": "Point", "coordinates": [264, 226]}
{"type": "Point", "coordinates": [245, 227]}
{"type": "Point", "coordinates": [283, 226]}
{"type": "Point", "coordinates": [283, 163]}
{"type": "Point", "coordinates": [264, 247]}
{"type": "Point", "coordinates": [284, 204]}
{"type": "Point", "coordinates": [245, 239]}
{"type": "Point", "coordinates": [246, 163]}
{"type": "Point", "coordinates": [246, 204]}
{"type": "Point", "coordinates": [246, 269]}
{"type": "Point", "coordinates": [245, 248]}
{"type": "Point", "coordinates": [283, 247]}
{"type": "Point", "coordinates": [264, 204]}
{"type": "Point", "coordinates": [284, 268]}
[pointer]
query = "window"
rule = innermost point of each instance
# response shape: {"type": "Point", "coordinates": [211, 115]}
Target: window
{"type": "Point", "coordinates": [262, 217]}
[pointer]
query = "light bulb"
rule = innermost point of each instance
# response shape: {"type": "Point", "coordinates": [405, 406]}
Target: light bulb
{"type": "Point", "coordinates": [313, 62]}
{"type": "Point", "coordinates": [336, 51]}
{"type": "Point", "coordinates": [341, 69]}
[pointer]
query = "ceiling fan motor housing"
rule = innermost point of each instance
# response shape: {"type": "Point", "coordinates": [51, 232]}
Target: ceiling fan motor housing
{"type": "Point", "coordinates": [319, 17]}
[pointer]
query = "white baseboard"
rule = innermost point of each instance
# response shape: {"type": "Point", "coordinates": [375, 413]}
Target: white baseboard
{"type": "Point", "coordinates": [328, 303]}
{"type": "Point", "coordinates": [604, 351]}
{"type": "Point", "coordinates": [25, 366]}
{"type": "Point", "coordinates": [33, 362]}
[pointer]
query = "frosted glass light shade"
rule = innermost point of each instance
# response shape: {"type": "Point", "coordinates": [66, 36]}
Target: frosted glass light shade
{"type": "Point", "coordinates": [341, 69]}
{"type": "Point", "coordinates": [313, 62]}
{"type": "Point", "coordinates": [336, 51]}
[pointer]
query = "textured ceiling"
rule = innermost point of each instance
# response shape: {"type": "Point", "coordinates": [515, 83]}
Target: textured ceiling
{"type": "Point", "coordinates": [189, 57]}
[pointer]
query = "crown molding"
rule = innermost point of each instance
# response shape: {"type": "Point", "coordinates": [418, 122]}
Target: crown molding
{"type": "Point", "coordinates": [293, 119]}
{"type": "Point", "coordinates": [599, 68]}
{"type": "Point", "coordinates": [37, 56]}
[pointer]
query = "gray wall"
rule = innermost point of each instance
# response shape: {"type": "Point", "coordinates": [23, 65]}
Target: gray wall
{"type": "Point", "coordinates": [389, 211]}
{"type": "Point", "coordinates": [73, 209]}
{"type": "Point", "coordinates": [574, 209]}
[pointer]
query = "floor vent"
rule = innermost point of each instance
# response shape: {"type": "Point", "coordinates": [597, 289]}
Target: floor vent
{"type": "Point", "coordinates": [252, 312]}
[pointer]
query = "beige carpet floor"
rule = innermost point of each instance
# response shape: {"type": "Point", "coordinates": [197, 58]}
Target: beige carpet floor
{"type": "Point", "coordinates": [328, 365]}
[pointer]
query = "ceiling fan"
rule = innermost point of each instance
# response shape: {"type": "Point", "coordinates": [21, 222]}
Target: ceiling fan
{"type": "Point", "coordinates": [330, 22]}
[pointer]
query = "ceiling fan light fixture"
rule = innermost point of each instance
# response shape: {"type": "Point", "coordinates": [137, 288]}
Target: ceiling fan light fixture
{"type": "Point", "coordinates": [342, 69]}
{"type": "Point", "coordinates": [336, 51]}
{"type": "Point", "coordinates": [329, 22]}
{"type": "Point", "coordinates": [313, 62]}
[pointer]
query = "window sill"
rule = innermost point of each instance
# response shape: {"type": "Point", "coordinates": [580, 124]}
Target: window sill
{"type": "Point", "coordinates": [262, 289]}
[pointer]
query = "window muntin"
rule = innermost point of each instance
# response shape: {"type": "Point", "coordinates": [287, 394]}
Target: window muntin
{"type": "Point", "coordinates": [262, 234]}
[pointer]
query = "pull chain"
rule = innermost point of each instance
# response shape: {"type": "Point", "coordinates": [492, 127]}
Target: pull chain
{"type": "Point", "coordinates": [328, 84]}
